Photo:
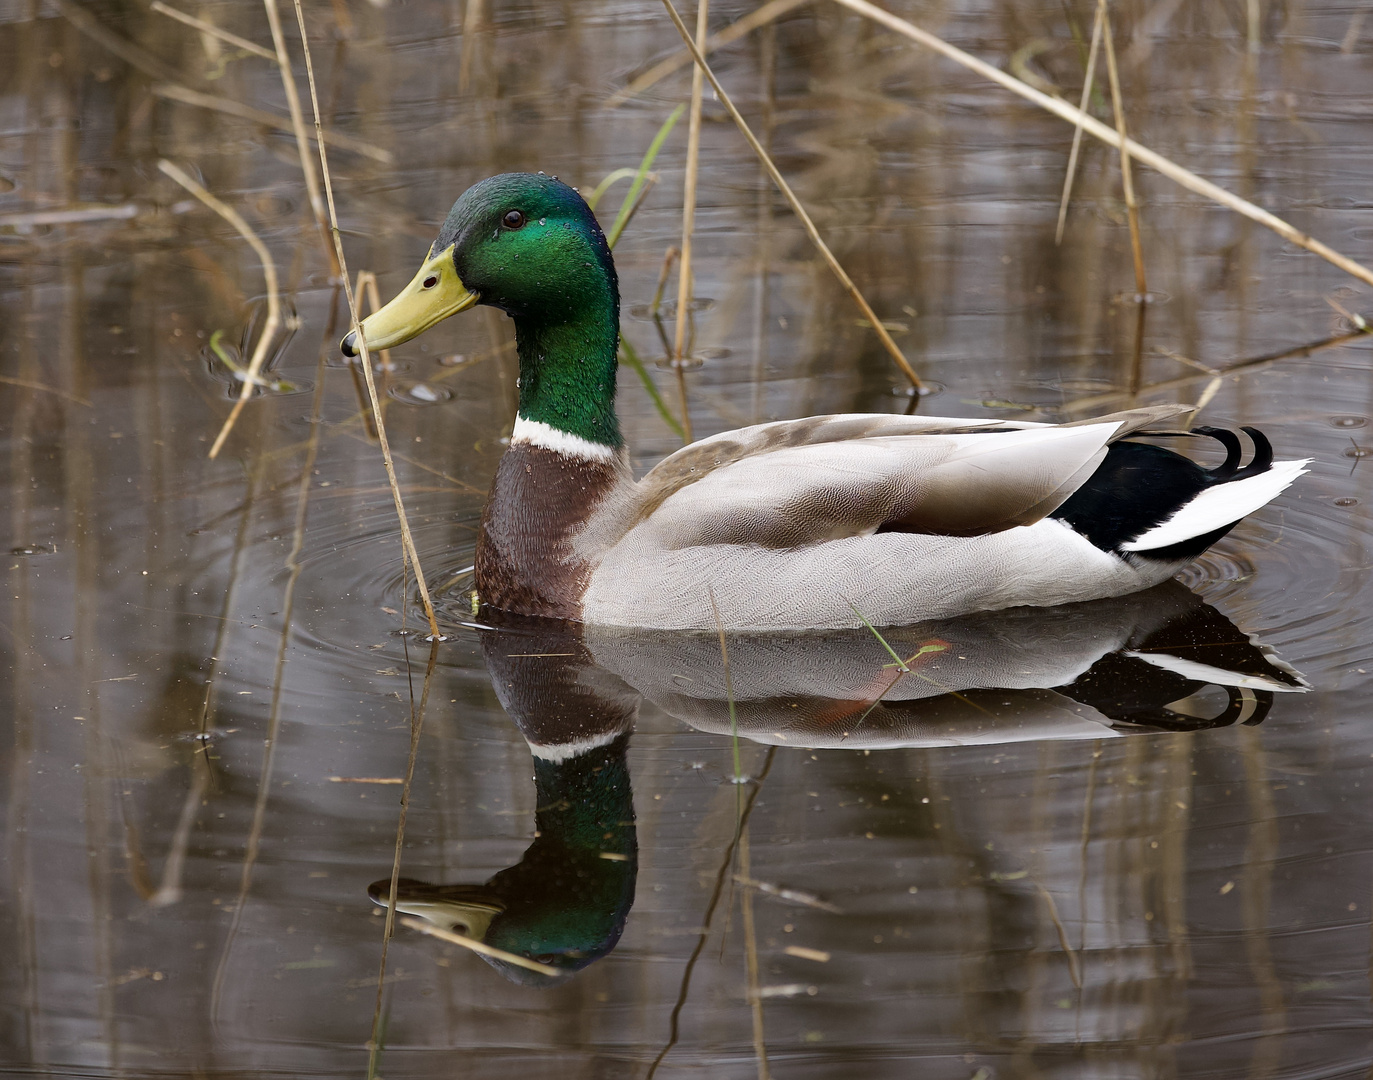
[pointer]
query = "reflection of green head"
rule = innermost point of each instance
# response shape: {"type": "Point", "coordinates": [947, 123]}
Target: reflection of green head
{"type": "Point", "coordinates": [565, 902]}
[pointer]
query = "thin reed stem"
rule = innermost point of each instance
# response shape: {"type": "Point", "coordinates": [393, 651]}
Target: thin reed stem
{"type": "Point", "coordinates": [684, 987]}
{"type": "Point", "coordinates": [632, 197]}
{"type": "Point", "coordinates": [416, 727]}
{"type": "Point", "coordinates": [364, 358]}
{"type": "Point", "coordinates": [294, 566]}
{"type": "Point", "coordinates": [684, 276]}
{"type": "Point", "coordinates": [288, 84]}
{"type": "Point", "coordinates": [1097, 129]}
{"type": "Point", "coordinates": [1126, 180]}
{"type": "Point", "coordinates": [176, 92]}
{"type": "Point", "coordinates": [755, 999]}
{"type": "Point", "coordinates": [477, 947]}
{"type": "Point", "coordinates": [471, 24]}
{"type": "Point", "coordinates": [762, 16]}
{"type": "Point", "coordinates": [795, 204]}
{"type": "Point", "coordinates": [213, 30]}
{"type": "Point", "coordinates": [269, 271]}
{"type": "Point", "coordinates": [1087, 84]}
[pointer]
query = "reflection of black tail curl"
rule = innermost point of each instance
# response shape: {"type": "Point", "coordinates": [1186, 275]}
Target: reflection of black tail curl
{"type": "Point", "coordinates": [1133, 691]}
{"type": "Point", "coordinates": [1145, 684]}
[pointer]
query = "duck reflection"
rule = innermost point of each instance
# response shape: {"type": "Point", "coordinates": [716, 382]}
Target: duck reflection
{"type": "Point", "coordinates": [564, 903]}
{"type": "Point", "coordinates": [1161, 660]}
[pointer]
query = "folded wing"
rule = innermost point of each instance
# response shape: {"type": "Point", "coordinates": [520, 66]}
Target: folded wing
{"type": "Point", "coordinates": [945, 483]}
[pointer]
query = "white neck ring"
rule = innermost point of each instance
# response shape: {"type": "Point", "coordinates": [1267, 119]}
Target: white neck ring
{"type": "Point", "coordinates": [537, 433]}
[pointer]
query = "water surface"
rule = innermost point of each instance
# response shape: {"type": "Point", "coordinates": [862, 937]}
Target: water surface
{"type": "Point", "coordinates": [1090, 862]}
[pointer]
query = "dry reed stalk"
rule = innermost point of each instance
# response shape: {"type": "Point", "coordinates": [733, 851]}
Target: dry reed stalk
{"type": "Point", "coordinates": [1255, 897]}
{"type": "Point", "coordinates": [684, 987]}
{"type": "Point", "coordinates": [416, 726]}
{"type": "Point", "coordinates": [1156, 161]}
{"type": "Point", "coordinates": [294, 567]}
{"type": "Point", "coordinates": [760, 16]}
{"type": "Point", "coordinates": [367, 285]}
{"type": "Point", "coordinates": [471, 23]}
{"type": "Point", "coordinates": [795, 204]}
{"type": "Point", "coordinates": [269, 271]}
{"type": "Point", "coordinates": [213, 31]}
{"type": "Point", "coordinates": [364, 357]}
{"type": "Point", "coordinates": [128, 51]}
{"type": "Point", "coordinates": [1126, 180]}
{"type": "Point", "coordinates": [755, 999]}
{"type": "Point", "coordinates": [169, 891]}
{"type": "Point", "coordinates": [684, 276]}
{"type": "Point", "coordinates": [174, 91]}
{"type": "Point", "coordinates": [307, 166]}
{"type": "Point", "coordinates": [478, 947]}
{"type": "Point", "coordinates": [1087, 84]}
{"type": "Point", "coordinates": [1073, 972]}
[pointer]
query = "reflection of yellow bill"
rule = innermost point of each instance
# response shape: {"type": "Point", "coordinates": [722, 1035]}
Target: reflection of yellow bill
{"type": "Point", "coordinates": [435, 293]}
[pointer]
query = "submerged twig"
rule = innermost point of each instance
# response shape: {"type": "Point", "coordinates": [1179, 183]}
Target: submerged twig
{"type": "Point", "coordinates": [796, 206]}
{"type": "Point", "coordinates": [364, 358]}
{"type": "Point", "coordinates": [1097, 129]}
{"type": "Point", "coordinates": [269, 271]}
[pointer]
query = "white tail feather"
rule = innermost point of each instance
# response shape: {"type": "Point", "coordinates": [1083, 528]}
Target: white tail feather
{"type": "Point", "coordinates": [1219, 506]}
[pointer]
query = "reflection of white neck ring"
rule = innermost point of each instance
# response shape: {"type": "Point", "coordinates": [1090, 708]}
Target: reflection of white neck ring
{"type": "Point", "coordinates": [566, 751]}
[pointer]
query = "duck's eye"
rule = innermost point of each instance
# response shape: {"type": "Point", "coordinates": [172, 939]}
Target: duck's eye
{"type": "Point", "coordinates": [513, 219]}
{"type": "Point", "coordinates": [431, 281]}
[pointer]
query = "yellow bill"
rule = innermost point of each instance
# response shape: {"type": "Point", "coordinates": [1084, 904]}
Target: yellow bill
{"type": "Point", "coordinates": [435, 293]}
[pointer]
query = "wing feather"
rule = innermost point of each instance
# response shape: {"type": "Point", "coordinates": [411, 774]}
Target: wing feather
{"type": "Point", "coordinates": [947, 484]}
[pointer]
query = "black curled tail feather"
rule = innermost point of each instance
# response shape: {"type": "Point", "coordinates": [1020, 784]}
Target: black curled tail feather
{"type": "Point", "coordinates": [1139, 486]}
{"type": "Point", "coordinates": [1234, 452]}
{"type": "Point", "coordinates": [1262, 460]}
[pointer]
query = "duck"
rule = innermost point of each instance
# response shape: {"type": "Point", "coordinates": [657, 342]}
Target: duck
{"type": "Point", "coordinates": [827, 522]}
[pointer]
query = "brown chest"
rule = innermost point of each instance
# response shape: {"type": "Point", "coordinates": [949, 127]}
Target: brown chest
{"type": "Point", "coordinates": [539, 499]}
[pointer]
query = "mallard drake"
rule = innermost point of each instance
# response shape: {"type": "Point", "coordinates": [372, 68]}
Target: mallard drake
{"type": "Point", "coordinates": [817, 523]}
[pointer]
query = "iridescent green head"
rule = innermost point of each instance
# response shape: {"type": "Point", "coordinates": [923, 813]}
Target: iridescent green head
{"type": "Point", "coordinates": [528, 244]}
